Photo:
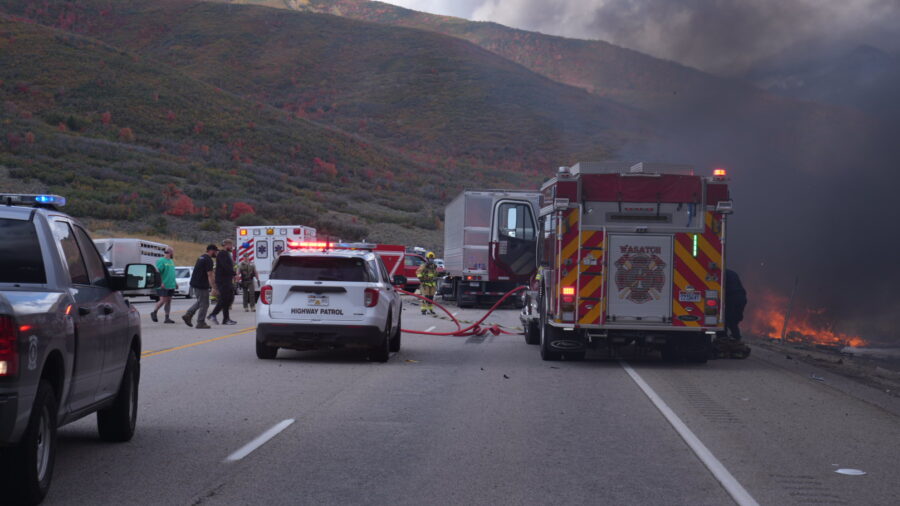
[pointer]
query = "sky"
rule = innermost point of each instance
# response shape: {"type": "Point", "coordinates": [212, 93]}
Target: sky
{"type": "Point", "coordinates": [722, 36]}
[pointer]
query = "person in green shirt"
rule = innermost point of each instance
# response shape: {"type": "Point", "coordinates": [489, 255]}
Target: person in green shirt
{"type": "Point", "coordinates": [166, 268]}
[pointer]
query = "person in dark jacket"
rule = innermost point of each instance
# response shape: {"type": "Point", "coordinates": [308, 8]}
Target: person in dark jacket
{"type": "Point", "coordinates": [201, 282]}
{"type": "Point", "coordinates": [735, 302]}
{"type": "Point", "coordinates": [224, 286]}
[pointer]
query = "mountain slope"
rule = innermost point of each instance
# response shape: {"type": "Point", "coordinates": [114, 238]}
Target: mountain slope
{"type": "Point", "coordinates": [125, 138]}
{"type": "Point", "coordinates": [442, 101]}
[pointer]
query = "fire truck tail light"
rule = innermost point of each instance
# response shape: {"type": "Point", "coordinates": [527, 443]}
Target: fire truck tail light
{"type": "Point", "coordinates": [265, 294]}
{"type": "Point", "coordinates": [9, 347]}
{"type": "Point", "coordinates": [712, 302]}
{"type": "Point", "coordinates": [568, 294]}
{"type": "Point", "coordinates": [372, 297]}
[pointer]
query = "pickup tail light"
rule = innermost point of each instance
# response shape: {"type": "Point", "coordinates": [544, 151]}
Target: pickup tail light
{"type": "Point", "coordinates": [9, 347]}
{"type": "Point", "coordinates": [371, 297]}
{"type": "Point", "coordinates": [265, 294]}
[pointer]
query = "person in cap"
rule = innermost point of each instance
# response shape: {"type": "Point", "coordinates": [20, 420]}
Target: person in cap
{"type": "Point", "coordinates": [202, 281]}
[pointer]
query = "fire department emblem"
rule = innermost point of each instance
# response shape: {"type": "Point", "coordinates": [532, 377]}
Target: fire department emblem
{"type": "Point", "coordinates": [640, 277]}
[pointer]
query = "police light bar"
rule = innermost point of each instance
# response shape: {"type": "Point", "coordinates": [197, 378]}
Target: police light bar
{"type": "Point", "coordinates": [20, 199]}
{"type": "Point", "coordinates": [308, 245]}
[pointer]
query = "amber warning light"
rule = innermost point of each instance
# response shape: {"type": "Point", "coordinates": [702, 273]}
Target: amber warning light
{"type": "Point", "coordinates": [720, 173]}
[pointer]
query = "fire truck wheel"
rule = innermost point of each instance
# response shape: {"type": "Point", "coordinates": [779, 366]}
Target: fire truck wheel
{"type": "Point", "coordinates": [548, 334]}
{"type": "Point", "coordinates": [532, 333]}
{"type": "Point", "coordinates": [459, 302]}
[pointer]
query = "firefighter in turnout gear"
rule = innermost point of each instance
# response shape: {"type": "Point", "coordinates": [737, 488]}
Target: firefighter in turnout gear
{"type": "Point", "coordinates": [427, 274]}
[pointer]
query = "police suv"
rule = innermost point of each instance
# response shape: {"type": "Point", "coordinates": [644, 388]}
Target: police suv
{"type": "Point", "coordinates": [321, 295]}
{"type": "Point", "coordinates": [70, 344]}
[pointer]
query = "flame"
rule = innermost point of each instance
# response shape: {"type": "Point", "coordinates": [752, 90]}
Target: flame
{"type": "Point", "coordinates": [806, 325]}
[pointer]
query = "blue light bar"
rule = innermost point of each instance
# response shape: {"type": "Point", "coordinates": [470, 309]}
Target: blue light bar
{"type": "Point", "coordinates": [19, 199]}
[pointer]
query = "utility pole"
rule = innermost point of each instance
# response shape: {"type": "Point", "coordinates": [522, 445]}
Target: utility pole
{"type": "Point", "coordinates": [787, 316]}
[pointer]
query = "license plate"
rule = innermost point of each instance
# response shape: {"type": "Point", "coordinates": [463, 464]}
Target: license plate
{"type": "Point", "coordinates": [689, 296]}
{"type": "Point", "coordinates": [317, 300]}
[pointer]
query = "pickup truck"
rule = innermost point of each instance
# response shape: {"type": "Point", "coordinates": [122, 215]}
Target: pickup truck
{"type": "Point", "coordinates": [70, 344]}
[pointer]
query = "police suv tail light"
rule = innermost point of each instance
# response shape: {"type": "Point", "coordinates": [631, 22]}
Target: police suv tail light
{"type": "Point", "coordinates": [9, 350]}
{"type": "Point", "coordinates": [265, 294]}
{"type": "Point", "coordinates": [372, 297]}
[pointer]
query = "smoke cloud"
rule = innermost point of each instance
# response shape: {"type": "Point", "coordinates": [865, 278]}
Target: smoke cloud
{"type": "Point", "coordinates": [726, 36]}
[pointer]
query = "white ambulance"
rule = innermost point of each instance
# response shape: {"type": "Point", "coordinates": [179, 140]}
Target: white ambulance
{"type": "Point", "coordinates": [263, 244]}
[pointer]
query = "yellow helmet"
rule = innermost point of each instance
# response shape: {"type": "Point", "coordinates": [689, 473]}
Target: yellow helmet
{"type": "Point", "coordinates": [430, 254]}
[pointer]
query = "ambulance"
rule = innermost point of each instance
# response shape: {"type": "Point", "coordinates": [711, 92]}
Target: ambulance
{"type": "Point", "coordinates": [263, 244]}
{"type": "Point", "coordinates": [629, 255]}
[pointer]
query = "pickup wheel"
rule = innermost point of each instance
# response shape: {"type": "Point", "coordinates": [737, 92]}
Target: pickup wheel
{"type": "Point", "coordinates": [28, 467]}
{"type": "Point", "coordinates": [265, 352]}
{"type": "Point", "coordinates": [116, 423]}
{"type": "Point", "coordinates": [382, 350]}
{"type": "Point", "coordinates": [395, 340]}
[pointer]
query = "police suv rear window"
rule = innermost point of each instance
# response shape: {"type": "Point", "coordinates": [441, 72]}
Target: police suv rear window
{"type": "Point", "coordinates": [321, 269]}
{"type": "Point", "coordinates": [20, 253]}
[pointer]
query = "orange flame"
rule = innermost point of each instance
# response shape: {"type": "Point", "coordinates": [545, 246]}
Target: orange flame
{"type": "Point", "coordinates": [767, 314]}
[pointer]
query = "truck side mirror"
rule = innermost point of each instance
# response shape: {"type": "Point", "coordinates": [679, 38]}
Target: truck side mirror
{"type": "Point", "coordinates": [399, 280]}
{"type": "Point", "coordinates": [140, 276]}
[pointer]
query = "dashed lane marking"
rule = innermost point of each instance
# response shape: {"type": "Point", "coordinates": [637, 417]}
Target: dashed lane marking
{"type": "Point", "coordinates": [198, 343]}
{"type": "Point", "coordinates": [731, 485]}
{"type": "Point", "coordinates": [429, 329]}
{"type": "Point", "coordinates": [259, 440]}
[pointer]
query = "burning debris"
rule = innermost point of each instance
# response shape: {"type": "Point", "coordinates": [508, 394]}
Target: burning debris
{"type": "Point", "coordinates": [768, 311]}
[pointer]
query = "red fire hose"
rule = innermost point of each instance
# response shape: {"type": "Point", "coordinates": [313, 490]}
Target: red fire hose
{"type": "Point", "coordinates": [472, 330]}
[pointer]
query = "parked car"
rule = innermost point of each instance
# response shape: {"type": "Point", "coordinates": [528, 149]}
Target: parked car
{"type": "Point", "coordinates": [183, 281]}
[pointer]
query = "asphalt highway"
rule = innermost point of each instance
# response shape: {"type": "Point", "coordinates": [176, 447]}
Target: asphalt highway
{"type": "Point", "coordinates": [451, 420]}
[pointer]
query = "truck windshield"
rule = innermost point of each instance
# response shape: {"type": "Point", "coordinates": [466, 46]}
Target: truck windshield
{"type": "Point", "coordinates": [321, 269]}
{"type": "Point", "coordinates": [20, 253]}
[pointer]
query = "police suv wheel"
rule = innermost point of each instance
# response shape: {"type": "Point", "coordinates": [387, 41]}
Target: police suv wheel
{"type": "Point", "coordinates": [117, 422]}
{"type": "Point", "coordinates": [382, 350]}
{"type": "Point", "coordinates": [395, 340]}
{"type": "Point", "coordinates": [28, 467]}
{"type": "Point", "coordinates": [265, 352]}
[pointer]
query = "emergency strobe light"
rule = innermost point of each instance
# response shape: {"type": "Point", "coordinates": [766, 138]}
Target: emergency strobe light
{"type": "Point", "coordinates": [21, 199]}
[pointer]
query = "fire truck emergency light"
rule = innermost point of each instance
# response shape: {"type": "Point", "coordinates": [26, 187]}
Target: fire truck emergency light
{"type": "Point", "coordinates": [243, 231]}
{"type": "Point", "coordinates": [720, 173]}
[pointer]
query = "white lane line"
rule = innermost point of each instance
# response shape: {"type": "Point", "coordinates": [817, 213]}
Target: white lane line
{"type": "Point", "coordinates": [259, 441]}
{"type": "Point", "coordinates": [731, 485]}
{"type": "Point", "coordinates": [429, 329]}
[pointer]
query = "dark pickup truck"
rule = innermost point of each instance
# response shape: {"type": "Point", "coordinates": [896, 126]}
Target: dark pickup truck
{"type": "Point", "coordinates": [70, 344]}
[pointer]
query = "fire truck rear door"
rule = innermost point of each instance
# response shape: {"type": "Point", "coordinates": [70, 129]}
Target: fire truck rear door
{"type": "Point", "coordinates": [640, 278]}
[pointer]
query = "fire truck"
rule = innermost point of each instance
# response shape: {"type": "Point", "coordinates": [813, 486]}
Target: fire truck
{"type": "Point", "coordinates": [629, 255]}
{"type": "Point", "coordinates": [489, 244]}
{"type": "Point", "coordinates": [263, 244]}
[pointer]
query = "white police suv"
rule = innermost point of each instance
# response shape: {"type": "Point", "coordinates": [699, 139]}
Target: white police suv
{"type": "Point", "coordinates": [322, 296]}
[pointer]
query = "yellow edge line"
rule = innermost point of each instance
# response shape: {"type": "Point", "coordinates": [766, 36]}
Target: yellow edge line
{"type": "Point", "coordinates": [198, 343]}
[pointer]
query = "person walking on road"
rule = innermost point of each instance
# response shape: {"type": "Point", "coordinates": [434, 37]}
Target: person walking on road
{"type": "Point", "coordinates": [223, 288]}
{"type": "Point", "coordinates": [427, 274]}
{"type": "Point", "coordinates": [166, 267]}
{"type": "Point", "coordinates": [247, 271]}
{"type": "Point", "coordinates": [202, 279]}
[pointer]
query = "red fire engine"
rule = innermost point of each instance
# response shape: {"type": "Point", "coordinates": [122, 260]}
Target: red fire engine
{"type": "Point", "coordinates": [629, 255]}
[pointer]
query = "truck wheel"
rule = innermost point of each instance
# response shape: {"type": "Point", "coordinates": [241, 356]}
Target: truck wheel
{"type": "Point", "coordinates": [459, 296]}
{"type": "Point", "coordinates": [532, 333]}
{"type": "Point", "coordinates": [117, 422]}
{"type": "Point", "coordinates": [382, 351]}
{"type": "Point", "coordinates": [28, 467]}
{"type": "Point", "coordinates": [265, 352]}
{"type": "Point", "coordinates": [395, 340]}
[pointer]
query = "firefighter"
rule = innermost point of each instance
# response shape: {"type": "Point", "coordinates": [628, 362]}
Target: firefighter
{"type": "Point", "coordinates": [735, 302]}
{"type": "Point", "coordinates": [427, 274]}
